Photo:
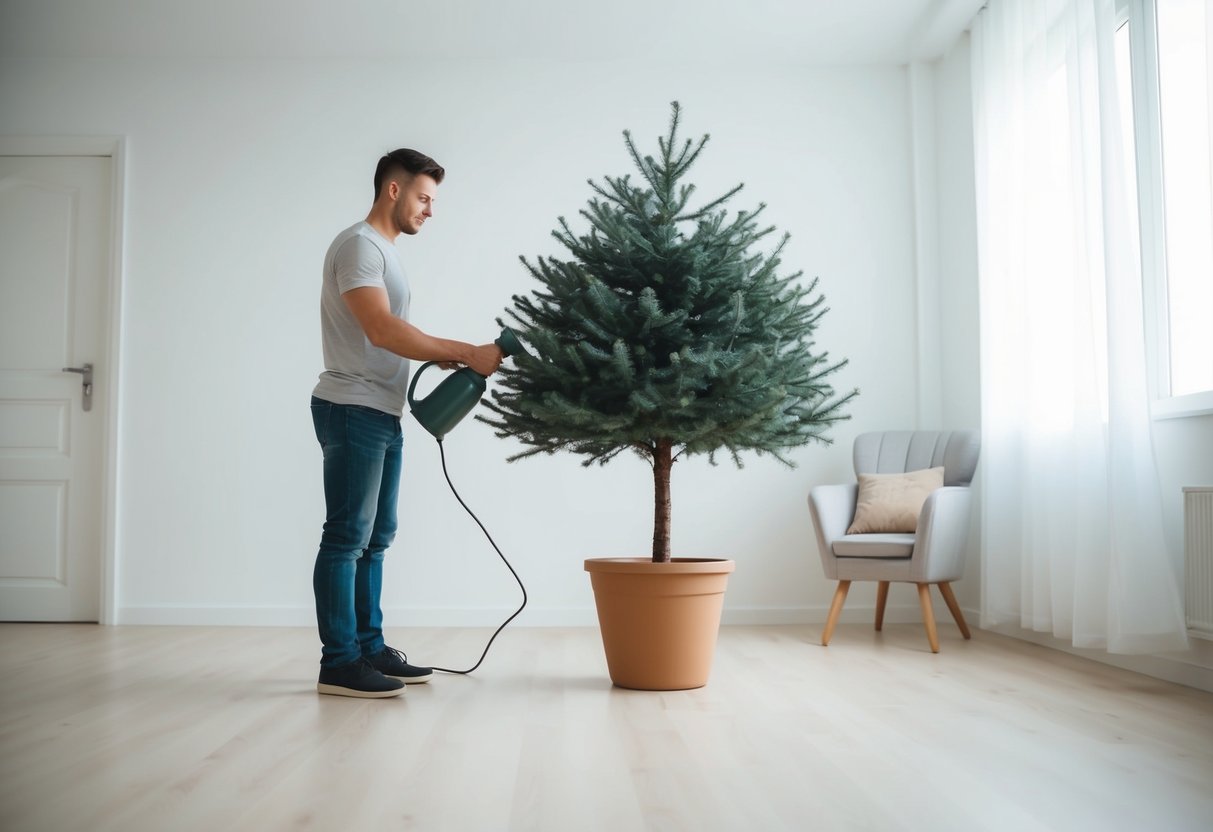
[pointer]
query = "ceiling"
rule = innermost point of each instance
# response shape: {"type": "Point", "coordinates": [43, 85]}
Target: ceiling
{"type": "Point", "coordinates": [741, 32]}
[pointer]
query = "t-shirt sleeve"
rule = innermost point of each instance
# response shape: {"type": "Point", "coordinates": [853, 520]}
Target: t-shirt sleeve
{"type": "Point", "coordinates": [358, 262]}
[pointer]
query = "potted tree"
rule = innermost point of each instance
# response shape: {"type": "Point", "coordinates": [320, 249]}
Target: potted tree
{"type": "Point", "coordinates": [665, 334]}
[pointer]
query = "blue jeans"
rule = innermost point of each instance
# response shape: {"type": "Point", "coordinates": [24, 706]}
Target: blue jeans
{"type": "Point", "coordinates": [362, 461]}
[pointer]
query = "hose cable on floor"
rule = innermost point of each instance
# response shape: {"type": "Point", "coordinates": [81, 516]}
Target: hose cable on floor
{"type": "Point", "coordinates": [442, 453]}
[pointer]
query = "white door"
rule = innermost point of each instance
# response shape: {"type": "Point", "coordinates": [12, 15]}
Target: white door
{"type": "Point", "coordinates": [54, 310]}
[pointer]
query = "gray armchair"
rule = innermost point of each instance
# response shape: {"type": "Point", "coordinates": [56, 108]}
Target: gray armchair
{"type": "Point", "coordinates": [934, 554]}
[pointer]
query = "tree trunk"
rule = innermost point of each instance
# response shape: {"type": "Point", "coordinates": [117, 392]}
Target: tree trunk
{"type": "Point", "coordinates": [663, 461]}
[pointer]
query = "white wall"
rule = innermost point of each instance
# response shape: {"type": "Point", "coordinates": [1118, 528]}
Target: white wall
{"type": "Point", "coordinates": [958, 316]}
{"type": "Point", "coordinates": [238, 175]}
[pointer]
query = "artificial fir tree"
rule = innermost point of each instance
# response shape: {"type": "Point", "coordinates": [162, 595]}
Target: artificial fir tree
{"type": "Point", "coordinates": [665, 334]}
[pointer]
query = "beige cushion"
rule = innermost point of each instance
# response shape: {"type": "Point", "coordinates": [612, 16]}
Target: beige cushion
{"type": "Point", "coordinates": [890, 503]}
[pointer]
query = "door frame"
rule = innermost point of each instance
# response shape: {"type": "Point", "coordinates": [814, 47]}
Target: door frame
{"type": "Point", "coordinates": [113, 147]}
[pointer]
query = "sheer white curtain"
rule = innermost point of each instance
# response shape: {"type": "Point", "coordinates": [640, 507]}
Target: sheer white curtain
{"type": "Point", "coordinates": [1073, 539]}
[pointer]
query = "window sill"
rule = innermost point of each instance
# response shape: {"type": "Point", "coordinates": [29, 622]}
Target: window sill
{"type": "Point", "coordinates": [1178, 407]}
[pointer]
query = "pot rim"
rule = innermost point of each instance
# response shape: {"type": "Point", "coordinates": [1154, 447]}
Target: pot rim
{"type": "Point", "coordinates": [680, 566]}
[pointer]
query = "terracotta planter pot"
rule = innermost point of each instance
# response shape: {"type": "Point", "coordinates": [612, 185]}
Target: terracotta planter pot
{"type": "Point", "coordinates": [659, 620]}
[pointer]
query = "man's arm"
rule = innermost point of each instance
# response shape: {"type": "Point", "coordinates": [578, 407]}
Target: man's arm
{"type": "Point", "coordinates": [383, 329]}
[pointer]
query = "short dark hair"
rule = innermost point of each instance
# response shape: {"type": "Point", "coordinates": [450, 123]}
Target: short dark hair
{"type": "Point", "coordinates": [409, 161]}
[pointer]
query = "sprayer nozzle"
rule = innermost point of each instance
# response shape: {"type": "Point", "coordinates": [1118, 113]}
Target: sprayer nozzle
{"type": "Point", "coordinates": [509, 343]}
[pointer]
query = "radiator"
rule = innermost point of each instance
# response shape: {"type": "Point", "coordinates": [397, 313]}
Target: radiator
{"type": "Point", "coordinates": [1198, 560]}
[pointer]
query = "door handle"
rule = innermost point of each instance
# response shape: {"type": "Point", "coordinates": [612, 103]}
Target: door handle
{"type": "Point", "coordinates": [86, 379]}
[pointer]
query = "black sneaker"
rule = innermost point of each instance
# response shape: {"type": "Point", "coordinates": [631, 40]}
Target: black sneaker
{"type": "Point", "coordinates": [395, 664]}
{"type": "Point", "coordinates": [359, 679]}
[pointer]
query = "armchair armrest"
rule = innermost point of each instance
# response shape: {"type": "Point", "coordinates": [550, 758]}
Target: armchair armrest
{"type": "Point", "coordinates": [943, 535]}
{"type": "Point", "coordinates": [832, 508]}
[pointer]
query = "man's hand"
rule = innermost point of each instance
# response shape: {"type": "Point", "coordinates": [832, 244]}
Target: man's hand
{"type": "Point", "coordinates": [485, 359]}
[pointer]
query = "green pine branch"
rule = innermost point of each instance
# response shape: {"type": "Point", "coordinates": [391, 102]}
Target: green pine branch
{"type": "Point", "coordinates": [665, 331]}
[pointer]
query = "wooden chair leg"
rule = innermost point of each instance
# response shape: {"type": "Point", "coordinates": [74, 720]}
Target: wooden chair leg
{"type": "Point", "coordinates": [840, 597]}
{"type": "Point", "coordinates": [946, 590]}
{"type": "Point", "coordinates": [928, 616]}
{"type": "Point", "coordinates": [882, 595]}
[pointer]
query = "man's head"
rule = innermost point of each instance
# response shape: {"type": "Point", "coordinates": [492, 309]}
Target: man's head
{"type": "Point", "coordinates": [406, 183]}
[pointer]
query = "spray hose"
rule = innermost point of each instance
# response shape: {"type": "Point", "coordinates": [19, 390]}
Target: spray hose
{"type": "Point", "coordinates": [442, 453]}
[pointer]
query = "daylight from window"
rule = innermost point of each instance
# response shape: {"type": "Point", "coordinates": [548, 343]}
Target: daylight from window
{"type": "Point", "coordinates": [1184, 34]}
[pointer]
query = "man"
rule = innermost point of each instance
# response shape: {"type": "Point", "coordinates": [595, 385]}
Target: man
{"type": "Point", "coordinates": [356, 409]}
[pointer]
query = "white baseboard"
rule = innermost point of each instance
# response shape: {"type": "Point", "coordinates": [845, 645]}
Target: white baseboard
{"type": "Point", "coordinates": [205, 616]}
{"type": "Point", "coordinates": [210, 616]}
{"type": "Point", "coordinates": [817, 614]}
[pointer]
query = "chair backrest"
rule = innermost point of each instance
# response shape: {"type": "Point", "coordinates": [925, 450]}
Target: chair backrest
{"type": "Point", "coordinates": [899, 451]}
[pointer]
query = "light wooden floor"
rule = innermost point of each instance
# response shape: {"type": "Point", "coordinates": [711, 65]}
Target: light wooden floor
{"type": "Point", "coordinates": [149, 728]}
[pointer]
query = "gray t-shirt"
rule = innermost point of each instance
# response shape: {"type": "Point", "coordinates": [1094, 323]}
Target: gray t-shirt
{"type": "Point", "coordinates": [355, 370]}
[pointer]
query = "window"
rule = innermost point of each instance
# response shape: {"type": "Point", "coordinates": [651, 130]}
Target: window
{"type": "Point", "coordinates": [1170, 73]}
{"type": "Point", "coordinates": [1183, 85]}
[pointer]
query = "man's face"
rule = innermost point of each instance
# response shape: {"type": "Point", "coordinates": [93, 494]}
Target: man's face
{"type": "Point", "coordinates": [415, 204]}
